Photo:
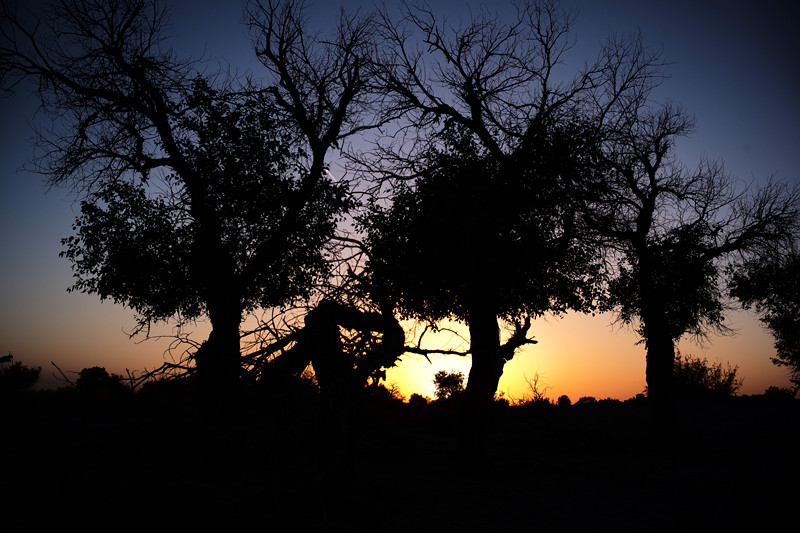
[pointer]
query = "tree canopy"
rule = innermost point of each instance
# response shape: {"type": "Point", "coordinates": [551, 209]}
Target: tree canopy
{"type": "Point", "coordinates": [771, 286]}
{"type": "Point", "coordinates": [674, 229]}
{"type": "Point", "coordinates": [498, 186]}
{"type": "Point", "coordinates": [194, 197]}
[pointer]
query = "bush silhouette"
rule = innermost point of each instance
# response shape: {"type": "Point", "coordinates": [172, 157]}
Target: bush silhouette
{"type": "Point", "coordinates": [16, 377]}
{"type": "Point", "coordinates": [695, 376]}
{"type": "Point", "coordinates": [96, 384]}
{"type": "Point", "coordinates": [417, 400]}
{"type": "Point", "coordinates": [779, 393]}
{"type": "Point", "coordinates": [448, 385]}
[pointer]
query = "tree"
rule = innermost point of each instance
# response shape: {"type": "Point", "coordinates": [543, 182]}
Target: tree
{"type": "Point", "coordinates": [674, 228]}
{"type": "Point", "coordinates": [448, 385]}
{"type": "Point", "coordinates": [194, 199]}
{"type": "Point", "coordinates": [97, 385]}
{"type": "Point", "coordinates": [16, 377]}
{"type": "Point", "coordinates": [324, 87]}
{"type": "Point", "coordinates": [771, 285]}
{"type": "Point", "coordinates": [489, 166]}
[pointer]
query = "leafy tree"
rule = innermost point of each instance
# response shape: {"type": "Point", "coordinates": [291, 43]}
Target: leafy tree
{"type": "Point", "coordinates": [16, 377]}
{"type": "Point", "coordinates": [772, 287]}
{"type": "Point", "coordinates": [489, 167]}
{"type": "Point", "coordinates": [673, 229]}
{"type": "Point", "coordinates": [195, 201]}
{"type": "Point", "coordinates": [417, 400]}
{"type": "Point", "coordinates": [477, 266]}
{"type": "Point", "coordinates": [448, 385]}
{"type": "Point", "coordinates": [95, 379]}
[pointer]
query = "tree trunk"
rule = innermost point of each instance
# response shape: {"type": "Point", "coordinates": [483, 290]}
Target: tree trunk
{"type": "Point", "coordinates": [487, 361]}
{"type": "Point", "coordinates": [219, 358]}
{"type": "Point", "coordinates": [660, 366]}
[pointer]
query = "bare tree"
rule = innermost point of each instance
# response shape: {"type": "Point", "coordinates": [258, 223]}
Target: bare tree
{"type": "Point", "coordinates": [323, 82]}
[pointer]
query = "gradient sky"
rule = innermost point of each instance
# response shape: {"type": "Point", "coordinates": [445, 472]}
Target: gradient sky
{"type": "Point", "coordinates": [735, 69]}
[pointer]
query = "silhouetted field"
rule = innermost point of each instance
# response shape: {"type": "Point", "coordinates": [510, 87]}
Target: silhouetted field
{"type": "Point", "coordinates": [289, 462]}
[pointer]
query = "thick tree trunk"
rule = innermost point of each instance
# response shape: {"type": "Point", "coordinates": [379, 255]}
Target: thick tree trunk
{"type": "Point", "coordinates": [659, 369]}
{"type": "Point", "coordinates": [658, 341]}
{"type": "Point", "coordinates": [219, 358]}
{"type": "Point", "coordinates": [487, 360]}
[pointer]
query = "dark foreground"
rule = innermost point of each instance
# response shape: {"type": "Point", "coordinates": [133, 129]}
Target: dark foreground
{"type": "Point", "coordinates": [288, 464]}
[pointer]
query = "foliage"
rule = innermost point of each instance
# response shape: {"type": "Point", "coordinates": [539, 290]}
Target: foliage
{"type": "Point", "coordinates": [491, 171]}
{"type": "Point", "coordinates": [96, 376]}
{"type": "Point", "coordinates": [448, 385]}
{"type": "Point", "coordinates": [564, 401]}
{"type": "Point", "coordinates": [772, 287]}
{"type": "Point", "coordinates": [672, 230]}
{"type": "Point", "coordinates": [684, 283]}
{"type": "Point", "coordinates": [144, 247]}
{"type": "Point", "coordinates": [196, 200]}
{"type": "Point", "coordinates": [417, 400]}
{"type": "Point", "coordinates": [779, 393]}
{"type": "Point", "coordinates": [488, 214]}
{"type": "Point", "coordinates": [381, 392]}
{"type": "Point", "coordinates": [693, 375]}
{"type": "Point", "coordinates": [16, 377]}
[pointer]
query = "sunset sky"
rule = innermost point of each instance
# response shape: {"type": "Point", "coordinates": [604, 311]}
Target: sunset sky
{"type": "Point", "coordinates": [735, 69]}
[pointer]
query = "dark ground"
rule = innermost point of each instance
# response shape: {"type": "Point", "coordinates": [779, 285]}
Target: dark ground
{"type": "Point", "coordinates": [289, 463]}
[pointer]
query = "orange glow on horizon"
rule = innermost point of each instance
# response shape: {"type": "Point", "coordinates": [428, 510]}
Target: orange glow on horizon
{"type": "Point", "coordinates": [577, 355]}
{"type": "Point", "coordinates": [580, 355]}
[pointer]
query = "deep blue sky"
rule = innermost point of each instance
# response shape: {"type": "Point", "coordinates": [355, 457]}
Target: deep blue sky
{"type": "Point", "coordinates": [735, 69]}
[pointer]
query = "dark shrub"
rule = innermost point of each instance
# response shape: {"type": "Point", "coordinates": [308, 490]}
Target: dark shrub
{"type": "Point", "coordinates": [448, 384]}
{"type": "Point", "coordinates": [695, 376]}
{"type": "Point", "coordinates": [16, 377]}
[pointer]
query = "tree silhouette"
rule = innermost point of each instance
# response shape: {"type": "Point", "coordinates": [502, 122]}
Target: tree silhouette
{"type": "Point", "coordinates": [673, 228]}
{"type": "Point", "coordinates": [448, 385]}
{"type": "Point", "coordinates": [771, 285]}
{"type": "Point", "coordinates": [505, 246]}
{"type": "Point", "coordinates": [194, 198]}
{"type": "Point", "coordinates": [16, 377]}
{"type": "Point", "coordinates": [488, 165]}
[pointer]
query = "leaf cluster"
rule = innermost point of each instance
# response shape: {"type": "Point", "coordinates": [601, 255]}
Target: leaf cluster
{"type": "Point", "coordinates": [771, 286]}
{"type": "Point", "coordinates": [693, 375]}
{"type": "Point", "coordinates": [473, 223]}
{"type": "Point", "coordinates": [682, 288]}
